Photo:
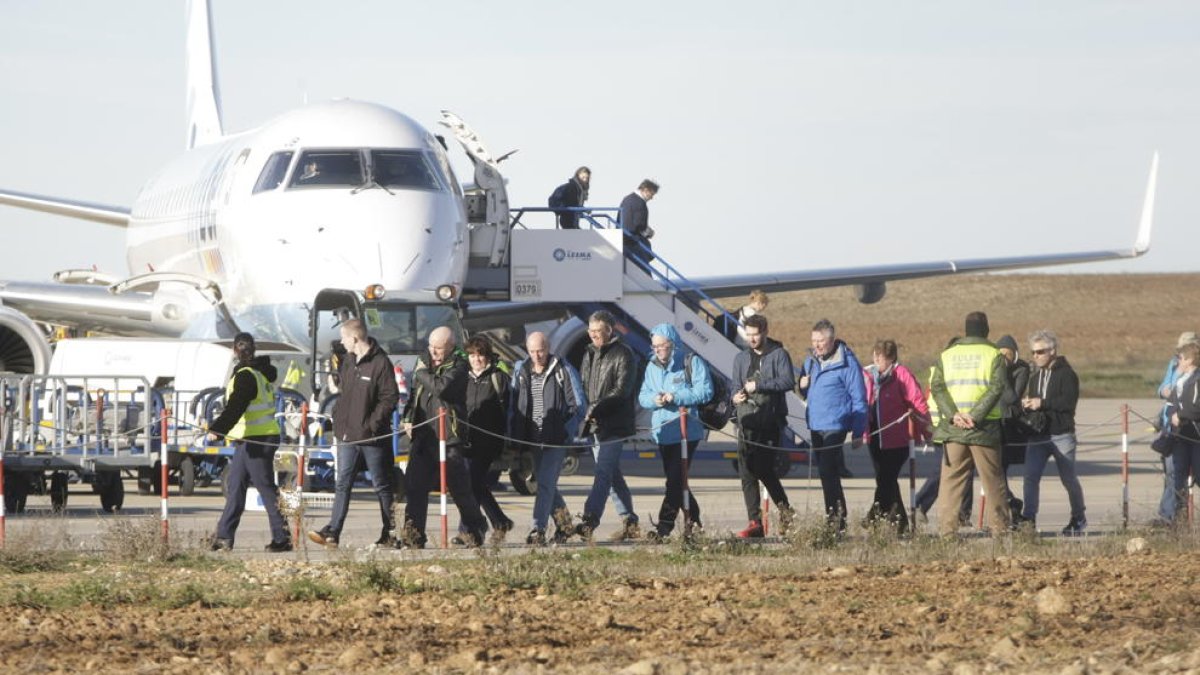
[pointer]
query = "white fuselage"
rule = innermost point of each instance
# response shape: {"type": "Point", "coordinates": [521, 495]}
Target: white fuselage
{"type": "Point", "coordinates": [242, 213]}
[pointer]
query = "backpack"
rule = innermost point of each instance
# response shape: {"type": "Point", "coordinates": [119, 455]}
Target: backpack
{"type": "Point", "coordinates": [558, 197]}
{"type": "Point", "coordinates": [715, 412]}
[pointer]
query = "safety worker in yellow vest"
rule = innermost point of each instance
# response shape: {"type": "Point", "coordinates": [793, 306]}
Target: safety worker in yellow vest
{"type": "Point", "coordinates": [967, 383]}
{"type": "Point", "coordinates": [248, 421]}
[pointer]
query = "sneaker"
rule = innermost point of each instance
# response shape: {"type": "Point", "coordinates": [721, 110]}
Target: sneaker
{"type": "Point", "coordinates": [279, 546]}
{"type": "Point", "coordinates": [586, 527]}
{"type": "Point", "coordinates": [219, 544]}
{"type": "Point", "coordinates": [753, 531]}
{"type": "Point", "coordinates": [1076, 526]}
{"type": "Point", "coordinates": [629, 531]}
{"type": "Point", "coordinates": [323, 537]}
{"type": "Point", "coordinates": [500, 532]}
{"type": "Point", "coordinates": [536, 538]}
{"type": "Point", "coordinates": [467, 540]}
{"type": "Point", "coordinates": [386, 539]}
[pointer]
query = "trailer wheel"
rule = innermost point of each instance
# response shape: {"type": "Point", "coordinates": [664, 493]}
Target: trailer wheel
{"type": "Point", "coordinates": [149, 480]}
{"type": "Point", "coordinates": [570, 465]}
{"type": "Point", "coordinates": [112, 490]}
{"type": "Point", "coordinates": [58, 491]}
{"type": "Point", "coordinates": [16, 489]}
{"type": "Point", "coordinates": [187, 476]}
{"type": "Point", "coordinates": [521, 475]}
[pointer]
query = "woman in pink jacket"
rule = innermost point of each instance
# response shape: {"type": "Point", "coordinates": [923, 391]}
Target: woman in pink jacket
{"type": "Point", "coordinates": [892, 392]}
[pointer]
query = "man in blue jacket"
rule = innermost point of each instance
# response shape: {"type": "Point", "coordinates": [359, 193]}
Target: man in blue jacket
{"type": "Point", "coordinates": [832, 383]}
{"type": "Point", "coordinates": [762, 377]}
{"type": "Point", "coordinates": [674, 379]}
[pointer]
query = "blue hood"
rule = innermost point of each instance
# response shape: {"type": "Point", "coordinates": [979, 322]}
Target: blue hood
{"type": "Point", "coordinates": [668, 331]}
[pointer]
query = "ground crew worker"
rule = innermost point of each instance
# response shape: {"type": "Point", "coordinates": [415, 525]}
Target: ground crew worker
{"type": "Point", "coordinates": [968, 382]}
{"type": "Point", "coordinates": [249, 421]}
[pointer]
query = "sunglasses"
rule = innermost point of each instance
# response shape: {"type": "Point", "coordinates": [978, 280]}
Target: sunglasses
{"type": "Point", "coordinates": [1041, 352]}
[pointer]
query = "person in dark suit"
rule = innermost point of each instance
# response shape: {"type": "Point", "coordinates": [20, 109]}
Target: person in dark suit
{"type": "Point", "coordinates": [635, 220]}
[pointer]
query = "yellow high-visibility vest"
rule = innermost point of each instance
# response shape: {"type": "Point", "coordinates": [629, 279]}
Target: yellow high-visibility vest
{"type": "Point", "coordinates": [259, 418]}
{"type": "Point", "coordinates": [967, 371]}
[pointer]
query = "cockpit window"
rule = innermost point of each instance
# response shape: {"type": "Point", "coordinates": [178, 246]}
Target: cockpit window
{"type": "Point", "coordinates": [403, 169]}
{"type": "Point", "coordinates": [328, 168]}
{"type": "Point", "coordinates": [273, 172]}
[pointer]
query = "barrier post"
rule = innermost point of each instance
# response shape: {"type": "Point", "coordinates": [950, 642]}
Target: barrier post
{"type": "Point", "coordinates": [683, 467]}
{"type": "Point", "coordinates": [301, 465]}
{"type": "Point", "coordinates": [766, 507]}
{"type": "Point", "coordinates": [442, 466]}
{"type": "Point", "coordinates": [1125, 466]}
{"type": "Point", "coordinates": [162, 457]}
{"type": "Point", "coordinates": [982, 501]}
{"type": "Point", "coordinates": [3, 447]}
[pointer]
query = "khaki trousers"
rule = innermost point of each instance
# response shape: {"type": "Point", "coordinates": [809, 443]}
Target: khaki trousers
{"type": "Point", "coordinates": [960, 460]}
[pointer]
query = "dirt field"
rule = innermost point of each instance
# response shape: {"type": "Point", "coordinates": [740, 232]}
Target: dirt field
{"type": "Point", "coordinates": [1117, 330]}
{"type": "Point", "coordinates": [662, 610]}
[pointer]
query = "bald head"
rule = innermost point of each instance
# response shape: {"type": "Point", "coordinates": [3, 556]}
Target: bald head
{"type": "Point", "coordinates": [441, 344]}
{"type": "Point", "coordinates": [539, 350]}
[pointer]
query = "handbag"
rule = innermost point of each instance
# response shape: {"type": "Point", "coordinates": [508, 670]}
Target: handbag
{"type": "Point", "coordinates": [1162, 442]}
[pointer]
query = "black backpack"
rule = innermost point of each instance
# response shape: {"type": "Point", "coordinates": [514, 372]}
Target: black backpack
{"type": "Point", "coordinates": [715, 412]}
{"type": "Point", "coordinates": [558, 197]}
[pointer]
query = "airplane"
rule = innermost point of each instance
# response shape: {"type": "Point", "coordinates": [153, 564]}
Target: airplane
{"type": "Point", "coordinates": [364, 195]}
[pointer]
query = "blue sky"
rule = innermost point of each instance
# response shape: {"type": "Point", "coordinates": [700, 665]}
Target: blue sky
{"type": "Point", "coordinates": [785, 134]}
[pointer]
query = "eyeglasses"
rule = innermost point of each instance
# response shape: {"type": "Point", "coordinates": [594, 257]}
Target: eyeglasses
{"type": "Point", "coordinates": [1041, 352]}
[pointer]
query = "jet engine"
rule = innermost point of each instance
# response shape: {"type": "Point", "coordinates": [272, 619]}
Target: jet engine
{"type": "Point", "coordinates": [869, 294]}
{"type": "Point", "coordinates": [23, 346]}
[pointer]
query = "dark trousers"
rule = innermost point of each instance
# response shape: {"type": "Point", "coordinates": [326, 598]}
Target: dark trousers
{"type": "Point", "coordinates": [888, 503]}
{"type": "Point", "coordinates": [484, 451]}
{"type": "Point", "coordinates": [379, 462]}
{"type": "Point", "coordinates": [1186, 455]}
{"type": "Point", "coordinates": [672, 461]}
{"type": "Point", "coordinates": [423, 476]}
{"type": "Point", "coordinates": [829, 468]}
{"type": "Point", "coordinates": [252, 464]}
{"type": "Point", "coordinates": [757, 464]}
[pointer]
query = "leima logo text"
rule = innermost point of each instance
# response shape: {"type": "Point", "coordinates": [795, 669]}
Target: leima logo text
{"type": "Point", "coordinates": [563, 254]}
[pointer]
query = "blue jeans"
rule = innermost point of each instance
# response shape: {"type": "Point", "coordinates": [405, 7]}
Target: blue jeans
{"type": "Point", "coordinates": [547, 465]}
{"type": "Point", "coordinates": [379, 463]}
{"type": "Point", "coordinates": [609, 482]}
{"type": "Point", "coordinates": [1039, 452]}
{"type": "Point", "coordinates": [1166, 505]}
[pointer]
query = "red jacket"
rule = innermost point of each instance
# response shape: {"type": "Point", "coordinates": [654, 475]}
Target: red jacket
{"type": "Point", "coordinates": [897, 392]}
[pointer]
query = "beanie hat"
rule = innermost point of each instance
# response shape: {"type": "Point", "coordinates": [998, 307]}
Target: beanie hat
{"type": "Point", "coordinates": [976, 325]}
{"type": "Point", "coordinates": [1007, 342]}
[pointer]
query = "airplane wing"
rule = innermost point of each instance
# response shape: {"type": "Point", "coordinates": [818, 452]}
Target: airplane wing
{"type": "Point", "coordinates": [872, 277]}
{"type": "Point", "coordinates": [100, 213]}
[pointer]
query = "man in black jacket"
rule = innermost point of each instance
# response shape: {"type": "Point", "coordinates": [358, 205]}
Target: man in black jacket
{"type": "Point", "coordinates": [762, 377]}
{"type": "Point", "coordinates": [438, 381]}
{"type": "Point", "coordinates": [635, 220]}
{"type": "Point", "coordinates": [608, 372]}
{"type": "Point", "coordinates": [362, 427]}
{"type": "Point", "coordinates": [1012, 431]}
{"type": "Point", "coordinates": [1050, 414]}
{"type": "Point", "coordinates": [249, 420]}
{"type": "Point", "coordinates": [572, 193]}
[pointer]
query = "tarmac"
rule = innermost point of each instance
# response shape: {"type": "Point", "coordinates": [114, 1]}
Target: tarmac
{"type": "Point", "coordinates": [82, 525]}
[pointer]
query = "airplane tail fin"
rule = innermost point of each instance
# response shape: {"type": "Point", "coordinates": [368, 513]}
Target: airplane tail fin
{"type": "Point", "coordinates": [1142, 244]}
{"type": "Point", "coordinates": [203, 96]}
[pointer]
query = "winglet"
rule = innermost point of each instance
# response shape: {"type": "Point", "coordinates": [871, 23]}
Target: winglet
{"type": "Point", "coordinates": [1142, 244]}
{"type": "Point", "coordinates": [203, 96]}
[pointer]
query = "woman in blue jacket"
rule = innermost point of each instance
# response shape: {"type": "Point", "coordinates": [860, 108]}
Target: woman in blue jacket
{"type": "Point", "coordinates": [674, 379]}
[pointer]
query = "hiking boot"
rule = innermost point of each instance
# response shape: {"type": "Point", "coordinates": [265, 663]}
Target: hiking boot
{"type": "Point", "coordinates": [787, 517]}
{"type": "Point", "coordinates": [219, 544]}
{"type": "Point", "coordinates": [536, 538]}
{"type": "Point", "coordinates": [585, 528]}
{"type": "Point", "coordinates": [279, 546]}
{"type": "Point", "coordinates": [629, 531]}
{"type": "Point", "coordinates": [323, 537]}
{"type": "Point", "coordinates": [753, 531]}
{"type": "Point", "coordinates": [1075, 527]}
